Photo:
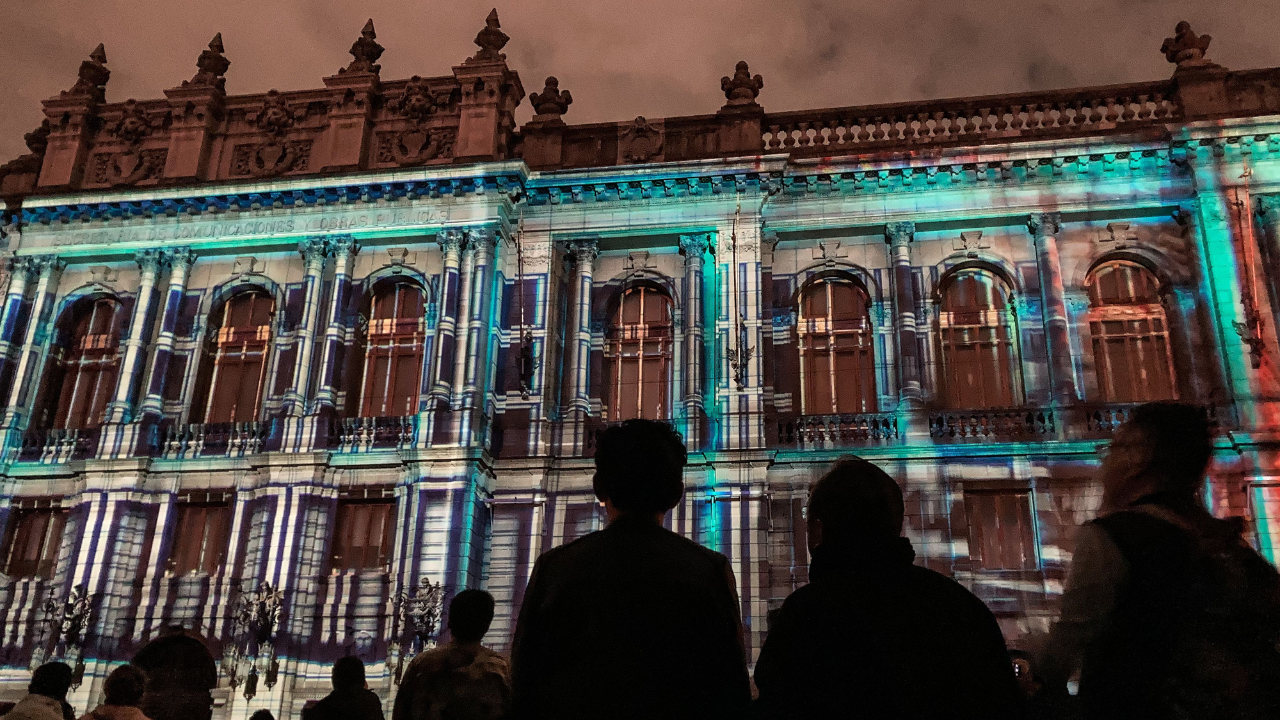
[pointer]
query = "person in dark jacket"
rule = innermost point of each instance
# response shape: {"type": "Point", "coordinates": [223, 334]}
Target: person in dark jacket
{"type": "Point", "coordinates": [1167, 612]}
{"type": "Point", "coordinates": [633, 621]}
{"type": "Point", "coordinates": [47, 698]}
{"type": "Point", "coordinates": [351, 698]}
{"type": "Point", "coordinates": [873, 635]}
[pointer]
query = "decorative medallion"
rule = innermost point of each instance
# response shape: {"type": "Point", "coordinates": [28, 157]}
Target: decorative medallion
{"type": "Point", "coordinates": [641, 142]}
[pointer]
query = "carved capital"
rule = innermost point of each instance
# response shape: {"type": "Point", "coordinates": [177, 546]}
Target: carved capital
{"type": "Point", "coordinates": [344, 245]}
{"type": "Point", "coordinates": [315, 249]}
{"type": "Point", "coordinates": [152, 261]}
{"type": "Point", "coordinates": [482, 237]}
{"type": "Point", "coordinates": [46, 264]}
{"type": "Point", "coordinates": [585, 250]}
{"type": "Point", "coordinates": [1268, 209]}
{"type": "Point", "coordinates": [695, 245]}
{"type": "Point", "coordinates": [182, 257]}
{"type": "Point", "coordinates": [1044, 224]}
{"type": "Point", "coordinates": [896, 233]}
{"type": "Point", "coordinates": [452, 240]}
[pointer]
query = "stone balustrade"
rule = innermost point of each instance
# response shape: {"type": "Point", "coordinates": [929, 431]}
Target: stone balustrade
{"type": "Point", "coordinates": [821, 432]}
{"type": "Point", "coordinates": [1087, 111]}
{"type": "Point", "coordinates": [235, 439]}
{"type": "Point", "coordinates": [365, 434]}
{"type": "Point", "coordinates": [59, 445]}
{"type": "Point", "coordinates": [1013, 424]}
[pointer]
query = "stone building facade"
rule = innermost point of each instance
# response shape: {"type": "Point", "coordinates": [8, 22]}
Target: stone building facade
{"type": "Point", "coordinates": [283, 371]}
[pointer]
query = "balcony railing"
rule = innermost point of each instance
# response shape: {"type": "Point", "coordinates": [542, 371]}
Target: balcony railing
{"type": "Point", "coordinates": [822, 432]}
{"type": "Point", "coordinates": [364, 434]}
{"type": "Point", "coordinates": [59, 445]}
{"type": "Point", "coordinates": [978, 425]}
{"type": "Point", "coordinates": [214, 439]}
{"type": "Point", "coordinates": [1103, 420]}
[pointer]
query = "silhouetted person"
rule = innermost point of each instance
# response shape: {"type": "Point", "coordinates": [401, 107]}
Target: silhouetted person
{"type": "Point", "coordinates": [873, 635]}
{"type": "Point", "coordinates": [124, 688]}
{"type": "Point", "coordinates": [460, 680]}
{"type": "Point", "coordinates": [47, 695]}
{"type": "Point", "coordinates": [632, 621]}
{"type": "Point", "coordinates": [1167, 612]}
{"type": "Point", "coordinates": [351, 698]}
{"type": "Point", "coordinates": [262, 715]}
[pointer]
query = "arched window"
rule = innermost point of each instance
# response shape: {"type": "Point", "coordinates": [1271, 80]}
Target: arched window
{"type": "Point", "coordinates": [1130, 334]}
{"type": "Point", "coordinates": [637, 356]}
{"type": "Point", "coordinates": [83, 364]}
{"type": "Point", "coordinates": [391, 372]}
{"type": "Point", "coordinates": [837, 363]}
{"type": "Point", "coordinates": [232, 374]}
{"type": "Point", "coordinates": [978, 355]}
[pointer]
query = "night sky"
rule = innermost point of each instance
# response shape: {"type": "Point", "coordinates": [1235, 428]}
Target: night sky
{"type": "Point", "coordinates": [622, 59]}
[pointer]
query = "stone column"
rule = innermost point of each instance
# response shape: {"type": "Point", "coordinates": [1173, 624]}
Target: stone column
{"type": "Point", "coordinates": [180, 269]}
{"type": "Point", "coordinates": [19, 278]}
{"type": "Point", "coordinates": [1057, 332]}
{"type": "Point", "coordinates": [314, 253]}
{"type": "Point", "coordinates": [899, 236]}
{"type": "Point", "coordinates": [585, 253]}
{"type": "Point", "coordinates": [30, 359]}
{"type": "Point", "coordinates": [120, 409]}
{"type": "Point", "coordinates": [451, 243]}
{"type": "Point", "coordinates": [694, 248]}
{"type": "Point", "coordinates": [1267, 208]}
{"type": "Point", "coordinates": [463, 320]}
{"type": "Point", "coordinates": [475, 351]}
{"type": "Point", "coordinates": [344, 251]}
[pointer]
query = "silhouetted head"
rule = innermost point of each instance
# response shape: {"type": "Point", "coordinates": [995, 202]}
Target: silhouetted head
{"type": "Point", "coordinates": [1164, 448]}
{"type": "Point", "coordinates": [470, 613]}
{"type": "Point", "coordinates": [51, 680]}
{"type": "Point", "coordinates": [262, 715]}
{"type": "Point", "coordinates": [640, 467]}
{"type": "Point", "coordinates": [125, 686]}
{"type": "Point", "coordinates": [855, 503]}
{"type": "Point", "coordinates": [348, 673]}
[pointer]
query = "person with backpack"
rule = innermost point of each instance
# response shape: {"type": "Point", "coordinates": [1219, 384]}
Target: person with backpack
{"type": "Point", "coordinates": [1167, 612]}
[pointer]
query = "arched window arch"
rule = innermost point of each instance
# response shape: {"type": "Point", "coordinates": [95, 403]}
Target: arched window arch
{"type": "Point", "coordinates": [229, 388]}
{"type": "Point", "coordinates": [837, 360]}
{"type": "Point", "coordinates": [1130, 334]}
{"type": "Point", "coordinates": [978, 352]}
{"type": "Point", "coordinates": [84, 361]}
{"type": "Point", "coordinates": [637, 355]}
{"type": "Point", "coordinates": [388, 358]}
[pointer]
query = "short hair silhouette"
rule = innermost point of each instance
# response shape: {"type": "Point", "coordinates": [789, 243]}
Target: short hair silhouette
{"type": "Point", "coordinates": [640, 466]}
{"type": "Point", "coordinates": [125, 686]}
{"type": "Point", "coordinates": [856, 501]}
{"type": "Point", "coordinates": [262, 715]}
{"type": "Point", "coordinates": [1181, 443]}
{"type": "Point", "coordinates": [348, 673]}
{"type": "Point", "coordinates": [51, 680]}
{"type": "Point", "coordinates": [470, 613]}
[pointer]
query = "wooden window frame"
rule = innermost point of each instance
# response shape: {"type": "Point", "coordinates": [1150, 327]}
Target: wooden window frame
{"type": "Point", "coordinates": [211, 514]}
{"type": "Point", "coordinates": [400, 340]}
{"type": "Point", "coordinates": [1004, 504]}
{"type": "Point", "coordinates": [84, 370]}
{"type": "Point", "coordinates": [375, 504]}
{"type": "Point", "coordinates": [238, 348]}
{"type": "Point", "coordinates": [49, 544]}
{"type": "Point", "coordinates": [815, 331]}
{"type": "Point", "coordinates": [1141, 324]}
{"type": "Point", "coordinates": [638, 343]}
{"type": "Point", "coordinates": [994, 328]}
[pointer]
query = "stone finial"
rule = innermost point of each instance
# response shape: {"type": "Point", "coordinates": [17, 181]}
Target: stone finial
{"type": "Point", "coordinates": [211, 67]}
{"type": "Point", "coordinates": [551, 101]}
{"type": "Point", "coordinates": [491, 40]}
{"type": "Point", "coordinates": [93, 75]}
{"type": "Point", "coordinates": [365, 52]}
{"type": "Point", "coordinates": [741, 89]}
{"type": "Point", "coordinates": [1185, 47]}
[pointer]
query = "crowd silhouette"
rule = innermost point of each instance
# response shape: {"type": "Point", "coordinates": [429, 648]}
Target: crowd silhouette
{"type": "Point", "coordinates": [1167, 613]}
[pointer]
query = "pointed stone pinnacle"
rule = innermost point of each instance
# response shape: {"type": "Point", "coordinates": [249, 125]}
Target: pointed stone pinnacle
{"type": "Point", "coordinates": [216, 44]}
{"type": "Point", "coordinates": [99, 55]}
{"type": "Point", "coordinates": [368, 30]}
{"type": "Point", "coordinates": [492, 20]}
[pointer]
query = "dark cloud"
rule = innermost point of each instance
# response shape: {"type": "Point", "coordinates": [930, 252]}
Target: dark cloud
{"type": "Point", "coordinates": [620, 58]}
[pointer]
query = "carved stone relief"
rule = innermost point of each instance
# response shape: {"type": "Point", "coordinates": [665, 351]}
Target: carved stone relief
{"type": "Point", "coordinates": [277, 155]}
{"type": "Point", "coordinates": [641, 142]}
{"type": "Point", "coordinates": [129, 167]}
{"type": "Point", "coordinates": [416, 145]}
